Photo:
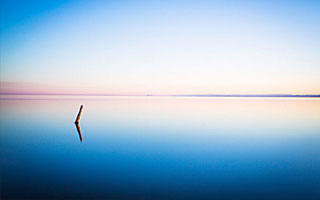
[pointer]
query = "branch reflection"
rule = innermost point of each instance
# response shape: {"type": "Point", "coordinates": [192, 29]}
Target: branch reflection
{"type": "Point", "coordinates": [79, 131]}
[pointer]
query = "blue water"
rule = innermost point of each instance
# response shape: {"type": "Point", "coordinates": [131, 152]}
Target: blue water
{"type": "Point", "coordinates": [160, 148]}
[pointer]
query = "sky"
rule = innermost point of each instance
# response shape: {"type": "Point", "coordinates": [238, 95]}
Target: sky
{"type": "Point", "coordinates": [160, 47]}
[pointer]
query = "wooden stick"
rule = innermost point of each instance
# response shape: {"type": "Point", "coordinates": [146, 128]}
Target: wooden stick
{"type": "Point", "coordinates": [79, 115]}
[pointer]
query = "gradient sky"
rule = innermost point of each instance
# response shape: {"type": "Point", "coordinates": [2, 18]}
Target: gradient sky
{"type": "Point", "coordinates": [160, 47]}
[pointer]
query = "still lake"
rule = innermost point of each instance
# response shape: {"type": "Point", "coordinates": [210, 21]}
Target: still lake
{"type": "Point", "coordinates": [159, 148]}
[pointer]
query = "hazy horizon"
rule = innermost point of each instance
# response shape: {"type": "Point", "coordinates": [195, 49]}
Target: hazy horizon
{"type": "Point", "coordinates": [159, 95]}
{"type": "Point", "coordinates": [33, 89]}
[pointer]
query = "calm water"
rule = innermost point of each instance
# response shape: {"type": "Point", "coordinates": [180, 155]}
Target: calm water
{"type": "Point", "coordinates": [160, 148]}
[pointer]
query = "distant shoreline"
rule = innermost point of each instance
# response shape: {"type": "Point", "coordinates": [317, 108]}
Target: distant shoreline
{"type": "Point", "coordinates": [252, 95]}
{"type": "Point", "coordinates": [177, 95]}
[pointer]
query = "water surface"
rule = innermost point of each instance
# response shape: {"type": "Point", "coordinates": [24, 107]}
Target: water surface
{"type": "Point", "coordinates": [160, 148]}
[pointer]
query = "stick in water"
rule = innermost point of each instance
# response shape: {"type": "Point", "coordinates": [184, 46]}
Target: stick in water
{"type": "Point", "coordinates": [79, 115]}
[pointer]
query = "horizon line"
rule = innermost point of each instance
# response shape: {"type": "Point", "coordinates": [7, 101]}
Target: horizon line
{"type": "Point", "coordinates": [172, 95]}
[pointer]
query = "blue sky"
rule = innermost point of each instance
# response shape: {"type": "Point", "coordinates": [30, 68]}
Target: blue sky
{"type": "Point", "coordinates": [160, 47]}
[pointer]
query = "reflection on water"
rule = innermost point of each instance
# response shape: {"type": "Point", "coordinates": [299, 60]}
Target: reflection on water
{"type": "Point", "coordinates": [160, 148]}
{"type": "Point", "coordinates": [79, 131]}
